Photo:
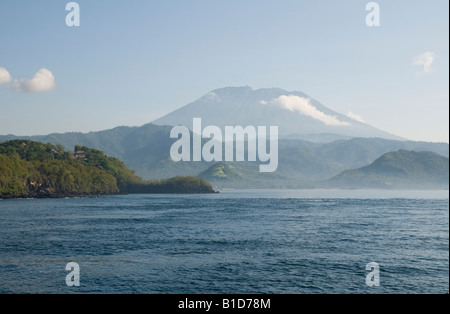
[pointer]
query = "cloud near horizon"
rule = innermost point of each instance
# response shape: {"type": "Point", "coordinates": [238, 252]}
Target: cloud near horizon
{"type": "Point", "coordinates": [303, 106]}
{"type": "Point", "coordinates": [425, 59]}
{"type": "Point", "coordinates": [42, 81]}
{"type": "Point", "coordinates": [5, 77]}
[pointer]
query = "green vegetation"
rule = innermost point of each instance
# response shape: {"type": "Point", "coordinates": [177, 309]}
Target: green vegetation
{"type": "Point", "coordinates": [399, 169]}
{"type": "Point", "coordinates": [221, 171]}
{"type": "Point", "coordinates": [181, 185]}
{"type": "Point", "coordinates": [33, 169]}
{"type": "Point", "coordinates": [302, 164]}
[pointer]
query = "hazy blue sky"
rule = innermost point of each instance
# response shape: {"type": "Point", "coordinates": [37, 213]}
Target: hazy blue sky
{"type": "Point", "coordinates": [131, 62]}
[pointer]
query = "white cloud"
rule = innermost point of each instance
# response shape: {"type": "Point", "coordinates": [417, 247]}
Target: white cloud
{"type": "Point", "coordinates": [5, 77]}
{"type": "Point", "coordinates": [42, 81]}
{"type": "Point", "coordinates": [355, 117]}
{"type": "Point", "coordinates": [263, 102]}
{"type": "Point", "coordinates": [304, 106]}
{"type": "Point", "coordinates": [426, 59]}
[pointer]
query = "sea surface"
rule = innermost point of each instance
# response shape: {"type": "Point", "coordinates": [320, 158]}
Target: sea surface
{"type": "Point", "coordinates": [246, 241]}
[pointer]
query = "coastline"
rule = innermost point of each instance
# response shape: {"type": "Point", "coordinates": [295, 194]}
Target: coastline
{"type": "Point", "coordinates": [75, 196]}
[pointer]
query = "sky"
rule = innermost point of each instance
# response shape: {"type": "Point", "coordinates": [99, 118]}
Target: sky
{"type": "Point", "coordinates": [131, 62]}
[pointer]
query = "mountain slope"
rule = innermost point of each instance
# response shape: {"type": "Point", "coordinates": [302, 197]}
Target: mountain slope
{"type": "Point", "coordinates": [296, 114]}
{"type": "Point", "coordinates": [399, 169]}
{"type": "Point", "coordinates": [146, 149]}
{"type": "Point", "coordinates": [220, 172]}
{"type": "Point", "coordinates": [34, 169]}
{"type": "Point", "coordinates": [337, 143]}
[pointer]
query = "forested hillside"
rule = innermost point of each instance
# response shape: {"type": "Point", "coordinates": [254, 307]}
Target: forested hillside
{"type": "Point", "coordinates": [400, 169]}
{"type": "Point", "coordinates": [34, 169]}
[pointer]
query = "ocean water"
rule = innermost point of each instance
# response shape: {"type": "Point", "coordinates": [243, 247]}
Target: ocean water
{"type": "Point", "coordinates": [255, 241]}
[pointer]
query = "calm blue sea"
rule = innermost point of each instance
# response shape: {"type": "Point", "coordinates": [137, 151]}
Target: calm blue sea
{"type": "Point", "coordinates": [255, 241]}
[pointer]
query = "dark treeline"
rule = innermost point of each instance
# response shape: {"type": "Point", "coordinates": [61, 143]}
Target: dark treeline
{"type": "Point", "coordinates": [34, 169]}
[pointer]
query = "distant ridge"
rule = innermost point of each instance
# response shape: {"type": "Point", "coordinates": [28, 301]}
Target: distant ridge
{"type": "Point", "coordinates": [305, 159]}
{"type": "Point", "coordinates": [399, 169]}
{"type": "Point", "coordinates": [146, 149]}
